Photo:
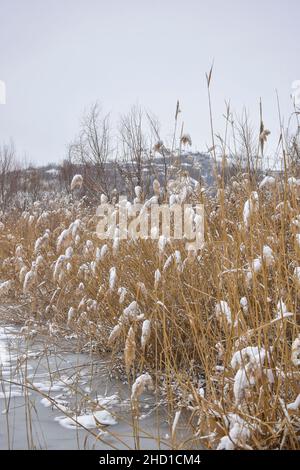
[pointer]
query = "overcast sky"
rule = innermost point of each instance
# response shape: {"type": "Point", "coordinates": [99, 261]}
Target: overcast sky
{"type": "Point", "coordinates": [59, 56]}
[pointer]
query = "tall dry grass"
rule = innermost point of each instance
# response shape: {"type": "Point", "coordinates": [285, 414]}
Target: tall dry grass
{"type": "Point", "coordinates": [216, 330]}
{"type": "Point", "coordinates": [197, 321]}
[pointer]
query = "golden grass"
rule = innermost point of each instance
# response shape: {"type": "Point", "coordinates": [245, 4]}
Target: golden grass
{"type": "Point", "coordinates": [189, 349]}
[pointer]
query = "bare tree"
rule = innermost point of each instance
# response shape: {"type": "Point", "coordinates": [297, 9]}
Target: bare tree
{"type": "Point", "coordinates": [92, 149]}
{"type": "Point", "coordinates": [9, 175]}
{"type": "Point", "coordinates": [134, 148]}
{"type": "Point", "coordinates": [66, 173]}
{"type": "Point", "coordinates": [34, 184]}
{"type": "Point", "coordinates": [159, 147]}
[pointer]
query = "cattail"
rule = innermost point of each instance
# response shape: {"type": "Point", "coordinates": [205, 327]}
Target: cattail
{"type": "Point", "coordinates": [264, 133]}
{"type": "Point", "coordinates": [59, 264]}
{"type": "Point", "coordinates": [43, 219]}
{"type": "Point", "coordinates": [140, 385]}
{"type": "Point", "coordinates": [250, 208]}
{"type": "Point", "coordinates": [39, 262]}
{"type": "Point", "coordinates": [168, 262]}
{"type": "Point", "coordinates": [122, 291]}
{"type": "Point", "coordinates": [81, 287]}
{"type": "Point", "coordinates": [42, 242]}
{"type": "Point", "coordinates": [77, 182]}
{"type": "Point", "coordinates": [29, 280]}
{"type": "Point", "coordinates": [71, 315]}
{"type": "Point", "coordinates": [89, 245]}
{"type": "Point", "coordinates": [82, 304]}
{"type": "Point", "coordinates": [138, 192]}
{"type": "Point", "coordinates": [77, 240]}
{"type": "Point", "coordinates": [244, 305]}
{"type": "Point", "coordinates": [268, 256]}
{"type": "Point", "coordinates": [103, 252]}
{"type": "Point", "coordinates": [69, 252]}
{"type": "Point", "coordinates": [64, 240]}
{"type": "Point", "coordinates": [91, 305]}
{"type": "Point", "coordinates": [142, 288]}
{"type": "Point", "coordinates": [115, 333]}
{"type": "Point", "coordinates": [186, 139]}
{"type": "Point", "coordinates": [146, 333]}
{"type": "Point", "coordinates": [129, 351]}
{"type": "Point", "coordinates": [157, 278]}
{"type": "Point", "coordinates": [131, 313]}
{"type": "Point", "coordinates": [74, 228]}
{"type": "Point", "coordinates": [19, 251]}
{"type": "Point", "coordinates": [158, 147]}
{"type": "Point", "coordinates": [162, 241]}
{"type": "Point", "coordinates": [5, 288]}
{"type": "Point", "coordinates": [22, 274]}
{"type": "Point", "coordinates": [112, 278]}
{"type": "Point", "coordinates": [268, 182]}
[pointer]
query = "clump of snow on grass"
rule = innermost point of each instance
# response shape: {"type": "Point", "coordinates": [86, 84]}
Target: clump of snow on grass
{"type": "Point", "coordinates": [142, 382]}
{"type": "Point", "coordinates": [76, 182]}
{"type": "Point", "coordinates": [295, 357]}
{"type": "Point", "coordinates": [146, 332]}
{"type": "Point", "coordinates": [88, 421]}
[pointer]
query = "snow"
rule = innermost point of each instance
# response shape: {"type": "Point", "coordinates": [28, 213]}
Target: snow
{"type": "Point", "coordinates": [244, 305]}
{"type": "Point", "coordinates": [242, 381]}
{"type": "Point", "coordinates": [115, 333]}
{"type": "Point", "coordinates": [146, 332]}
{"type": "Point", "coordinates": [294, 405]}
{"type": "Point", "coordinates": [282, 311]}
{"type": "Point", "coordinates": [268, 256]}
{"type": "Point", "coordinates": [157, 278]}
{"type": "Point", "coordinates": [249, 360]}
{"type": "Point", "coordinates": [88, 421]}
{"type": "Point", "coordinates": [139, 386]}
{"type": "Point", "coordinates": [239, 433]}
{"type": "Point", "coordinates": [71, 315]}
{"type": "Point", "coordinates": [268, 182]}
{"type": "Point", "coordinates": [122, 291]}
{"type": "Point", "coordinates": [131, 313]}
{"type": "Point", "coordinates": [250, 208]}
{"type": "Point", "coordinates": [253, 354]}
{"type": "Point", "coordinates": [112, 278]}
{"type": "Point", "coordinates": [297, 275]}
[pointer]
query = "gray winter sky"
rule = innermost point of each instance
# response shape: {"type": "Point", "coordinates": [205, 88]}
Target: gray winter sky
{"type": "Point", "coordinates": [59, 56]}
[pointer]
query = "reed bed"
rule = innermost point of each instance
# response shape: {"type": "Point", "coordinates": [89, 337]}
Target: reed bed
{"type": "Point", "coordinates": [214, 331]}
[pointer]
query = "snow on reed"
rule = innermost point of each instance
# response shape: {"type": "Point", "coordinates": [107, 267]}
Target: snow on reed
{"type": "Point", "coordinates": [76, 182]}
{"type": "Point", "coordinates": [142, 382]}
